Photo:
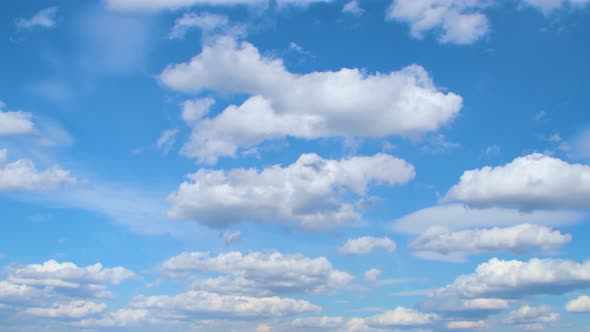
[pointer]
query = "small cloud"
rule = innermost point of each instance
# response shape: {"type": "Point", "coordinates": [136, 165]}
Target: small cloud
{"type": "Point", "coordinates": [231, 238]}
{"type": "Point", "coordinates": [45, 18]}
{"type": "Point", "coordinates": [540, 116]}
{"type": "Point", "coordinates": [297, 48]}
{"type": "Point", "coordinates": [166, 141]}
{"type": "Point", "coordinates": [352, 7]}
{"type": "Point", "coordinates": [492, 150]}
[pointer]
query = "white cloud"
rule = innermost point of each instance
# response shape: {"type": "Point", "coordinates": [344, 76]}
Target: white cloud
{"type": "Point", "coordinates": [119, 318]}
{"type": "Point", "coordinates": [194, 110]}
{"type": "Point", "coordinates": [467, 325]}
{"type": "Point", "coordinates": [167, 140]}
{"type": "Point", "coordinates": [496, 282]}
{"type": "Point", "coordinates": [308, 192]}
{"type": "Point", "coordinates": [16, 123]}
{"type": "Point", "coordinates": [258, 272]}
{"type": "Point", "coordinates": [458, 216]}
{"type": "Point", "coordinates": [324, 322]}
{"type": "Point", "coordinates": [459, 21]}
{"type": "Point", "coordinates": [531, 182]}
{"type": "Point", "coordinates": [72, 310]}
{"type": "Point", "coordinates": [459, 244]}
{"type": "Point", "coordinates": [208, 23]}
{"type": "Point", "coordinates": [157, 5]}
{"type": "Point", "coordinates": [22, 175]}
{"type": "Point", "coordinates": [581, 304]}
{"type": "Point", "coordinates": [532, 318]}
{"type": "Point", "coordinates": [547, 6]}
{"type": "Point", "coordinates": [231, 238]}
{"type": "Point", "coordinates": [224, 306]}
{"type": "Point", "coordinates": [45, 18]}
{"type": "Point", "coordinates": [345, 103]}
{"type": "Point", "coordinates": [401, 317]}
{"type": "Point", "coordinates": [353, 7]}
{"type": "Point", "coordinates": [366, 244]}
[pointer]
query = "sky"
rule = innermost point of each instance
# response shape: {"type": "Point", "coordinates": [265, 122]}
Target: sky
{"type": "Point", "coordinates": [294, 165]}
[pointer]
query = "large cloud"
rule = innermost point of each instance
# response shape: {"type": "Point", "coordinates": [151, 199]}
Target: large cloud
{"type": "Point", "coordinates": [22, 175]}
{"type": "Point", "coordinates": [307, 192]}
{"type": "Point", "coordinates": [345, 103]}
{"type": "Point", "coordinates": [459, 21]}
{"type": "Point", "coordinates": [531, 182]}
{"type": "Point", "coordinates": [444, 244]}
{"type": "Point", "coordinates": [458, 217]}
{"type": "Point", "coordinates": [258, 273]}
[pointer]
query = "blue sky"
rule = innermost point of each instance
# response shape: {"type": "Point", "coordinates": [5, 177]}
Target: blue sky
{"type": "Point", "coordinates": [294, 165]}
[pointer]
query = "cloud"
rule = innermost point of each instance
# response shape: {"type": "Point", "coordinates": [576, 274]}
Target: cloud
{"type": "Point", "coordinates": [324, 322]}
{"type": "Point", "coordinates": [372, 275]}
{"type": "Point", "coordinates": [223, 306]}
{"type": "Point", "coordinates": [119, 318]}
{"type": "Point", "coordinates": [344, 103]}
{"type": "Point", "coordinates": [366, 244]}
{"type": "Point", "coordinates": [532, 318]}
{"type": "Point", "coordinates": [548, 6]}
{"type": "Point", "coordinates": [459, 21]}
{"type": "Point", "coordinates": [467, 325]}
{"type": "Point", "coordinates": [528, 183]}
{"type": "Point", "coordinates": [401, 317]}
{"type": "Point", "coordinates": [71, 310]}
{"type": "Point", "coordinates": [231, 238]}
{"type": "Point", "coordinates": [208, 23]}
{"type": "Point", "coordinates": [581, 304]}
{"type": "Point", "coordinates": [16, 123]}
{"type": "Point", "coordinates": [167, 140]}
{"type": "Point", "coordinates": [258, 272]}
{"type": "Point", "coordinates": [308, 192]}
{"type": "Point", "coordinates": [458, 217]}
{"type": "Point", "coordinates": [496, 282]}
{"type": "Point", "coordinates": [45, 18]}
{"type": "Point", "coordinates": [22, 175]}
{"type": "Point", "coordinates": [353, 7]}
{"type": "Point", "coordinates": [459, 244]}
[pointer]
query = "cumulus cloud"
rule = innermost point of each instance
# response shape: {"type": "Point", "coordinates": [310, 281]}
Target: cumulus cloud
{"type": "Point", "coordinates": [353, 7]}
{"type": "Point", "coordinates": [366, 244]}
{"type": "Point", "coordinates": [13, 123]}
{"type": "Point", "coordinates": [324, 322]}
{"type": "Point", "coordinates": [308, 192]}
{"type": "Point", "coordinates": [401, 317]}
{"type": "Point", "coordinates": [71, 310]}
{"type": "Point", "coordinates": [532, 318]}
{"type": "Point", "coordinates": [344, 103]}
{"type": "Point", "coordinates": [450, 245]}
{"type": "Point", "coordinates": [22, 175]}
{"type": "Point", "coordinates": [258, 272]}
{"type": "Point", "coordinates": [119, 318]}
{"type": "Point", "coordinates": [224, 306]}
{"type": "Point", "coordinates": [458, 21]}
{"type": "Point", "coordinates": [467, 325]}
{"type": "Point", "coordinates": [581, 304]}
{"type": "Point", "coordinates": [45, 18]}
{"type": "Point", "coordinates": [496, 282]}
{"type": "Point", "coordinates": [459, 217]}
{"type": "Point", "coordinates": [208, 23]}
{"type": "Point", "coordinates": [536, 181]}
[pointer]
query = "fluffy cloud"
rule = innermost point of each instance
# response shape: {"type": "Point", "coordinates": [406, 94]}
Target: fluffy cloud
{"type": "Point", "coordinates": [458, 217]}
{"type": "Point", "coordinates": [581, 304]}
{"type": "Point", "coordinates": [353, 7]}
{"type": "Point", "coordinates": [456, 245]}
{"type": "Point", "coordinates": [319, 322]}
{"type": "Point", "coordinates": [401, 317]}
{"type": "Point", "coordinates": [45, 18]}
{"type": "Point", "coordinates": [208, 23]}
{"type": "Point", "coordinates": [308, 192]}
{"type": "Point", "coordinates": [228, 306]}
{"type": "Point", "coordinates": [459, 21]}
{"type": "Point", "coordinates": [259, 273]}
{"type": "Point", "coordinates": [22, 175]}
{"type": "Point", "coordinates": [71, 310]}
{"type": "Point", "coordinates": [467, 325]}
{"type": "Point", "coordinates": [531, 182]}
{"type": "Point", "coordinates": [532, 318]}
{"type": "Point", "coordinates": [344, 103]}
{"type": "Point", "coordinates": [496, 282]}
{"type": "Point", "coordinates": [366, 244]}
{"type": "Point", "coordinates": [16, 123]}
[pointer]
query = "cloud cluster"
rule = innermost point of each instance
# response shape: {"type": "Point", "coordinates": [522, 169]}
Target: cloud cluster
{"type": "Point", "coordinates": [308, 192]}
{"type": "Point", "coordinates": [344, 103]}
{"type": "Point", "coordinates": [258, 273]}
{"type": "Point", "coordinates": [440, 243]}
